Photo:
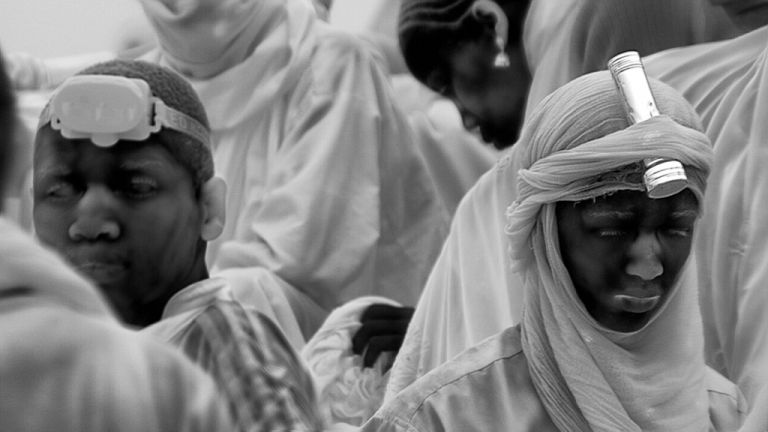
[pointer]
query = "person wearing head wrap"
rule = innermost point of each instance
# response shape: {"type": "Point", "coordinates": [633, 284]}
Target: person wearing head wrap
{"type": "Point", "coordinates": [727, 83]}
{"type": "Point", "coordinates": [611, 335]}
{"type": "Point", "coordinates": [328, 198]}
{"type": "Point", "coordinates": [471, 292]}
{"type": "Point", "coordinates": [66, 363]}
{"type": "Point", "coordinates": [133, 209]}
{"type": "Point", "coordinates": [450, 45]}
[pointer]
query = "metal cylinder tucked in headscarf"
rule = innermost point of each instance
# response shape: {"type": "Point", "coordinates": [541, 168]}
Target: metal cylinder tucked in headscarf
{"type": "Point", "coordinates": [662, 177]}
{"type": "Point", "coordinates": [579, 145]}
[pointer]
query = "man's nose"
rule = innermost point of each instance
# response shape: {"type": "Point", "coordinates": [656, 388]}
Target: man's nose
{"type": "Point", "coordinates": [95, 219]}
{"type": "Point", "coordinates": [644, 260]}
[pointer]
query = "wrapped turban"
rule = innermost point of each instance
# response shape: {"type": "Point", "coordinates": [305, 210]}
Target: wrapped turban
{"type": "Point", "coordinates": [578, 146]}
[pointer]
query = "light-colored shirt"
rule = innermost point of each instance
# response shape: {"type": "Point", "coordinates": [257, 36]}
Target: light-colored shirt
{"type": "Point", "coordinates": [265, 383]}
{"type": "Point", "coordinates": [488, 387]}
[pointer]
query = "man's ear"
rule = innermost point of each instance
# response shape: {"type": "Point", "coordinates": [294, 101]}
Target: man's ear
{"type": "Point", "coordinates": [488, 11]}
{"type": "Point", "coordinates": [213, 195]}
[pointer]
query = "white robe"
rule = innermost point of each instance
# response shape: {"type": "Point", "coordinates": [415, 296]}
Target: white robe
{"type": "Point", "coordinates": [727, 83]}
{"type": "Point", "coordinates": [326, 189]}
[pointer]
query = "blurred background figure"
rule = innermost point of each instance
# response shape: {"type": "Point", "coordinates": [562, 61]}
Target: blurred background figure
{"type": "Point", "coordinates": [727, 83]}
{"type": "Point", "coordinates": [328, 198]}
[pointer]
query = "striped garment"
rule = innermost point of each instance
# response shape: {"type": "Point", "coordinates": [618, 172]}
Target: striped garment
{"type": "Point", "coordinates": [267, 386]}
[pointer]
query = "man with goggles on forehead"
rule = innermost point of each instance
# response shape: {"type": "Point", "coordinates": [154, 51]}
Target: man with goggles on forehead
{"type": "Point", "coordinates": [124, 188]}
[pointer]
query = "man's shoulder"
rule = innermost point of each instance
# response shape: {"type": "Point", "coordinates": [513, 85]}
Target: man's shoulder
{"type": "Point", "coordinates": [495, 363]}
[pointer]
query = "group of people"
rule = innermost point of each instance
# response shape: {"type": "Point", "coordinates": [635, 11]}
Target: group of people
{"type": "Point", "coordinates": [250, 225]}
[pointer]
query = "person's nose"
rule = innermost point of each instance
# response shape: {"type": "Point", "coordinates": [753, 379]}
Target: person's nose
{"type": "Point", "coordinates": [644, 257]}
{"type": "Point", "coordinates": [96, 219]}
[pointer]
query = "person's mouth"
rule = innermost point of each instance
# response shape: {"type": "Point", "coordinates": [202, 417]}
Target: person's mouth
{"type": "Point", "coordinates": [638, 298]}
{"type": "Point", "coordinates": [101, 268]}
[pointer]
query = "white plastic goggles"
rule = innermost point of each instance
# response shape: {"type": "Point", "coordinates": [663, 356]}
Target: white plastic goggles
{"type": "Point", "coordinates": [108, 109]}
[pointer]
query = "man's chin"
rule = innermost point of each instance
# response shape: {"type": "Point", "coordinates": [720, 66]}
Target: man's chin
{"type": "Point", "coordinates": [105, 275]}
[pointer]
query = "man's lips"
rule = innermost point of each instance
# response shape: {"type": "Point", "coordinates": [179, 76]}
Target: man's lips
{"type": "Point", "coordinates": [637, 298]}
{"type": "Point", "coordinates": [103, 272]}
{"type": "Point", "coordinates": [634, 304]}
{"type": "Point", "coordinates": [101, 266]}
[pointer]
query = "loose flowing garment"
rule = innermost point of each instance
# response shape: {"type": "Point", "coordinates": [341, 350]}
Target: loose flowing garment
{"type": "Point", "coordinates": [587, 377]}
{"type": "Point", "coordinates": [727, 83]}
{"type": "Point", "coordinates": [326, 189]}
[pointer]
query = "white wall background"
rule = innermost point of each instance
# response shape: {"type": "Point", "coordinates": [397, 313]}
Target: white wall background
{"type": "Point", "coordinates": [52, 28]}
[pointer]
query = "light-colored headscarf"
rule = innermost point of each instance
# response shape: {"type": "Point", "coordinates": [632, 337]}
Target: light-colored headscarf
{"type": "Point", "coordinates": [590, 378]}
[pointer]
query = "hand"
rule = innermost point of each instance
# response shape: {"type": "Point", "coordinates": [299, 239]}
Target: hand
{"type": "Point", "coordinates": [383, 329]}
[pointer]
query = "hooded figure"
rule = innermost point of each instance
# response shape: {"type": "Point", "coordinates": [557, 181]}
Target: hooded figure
{"type": "Point", "coordinates": [327, 195]}
{"type": "Point", "coordinates": [611, 336]}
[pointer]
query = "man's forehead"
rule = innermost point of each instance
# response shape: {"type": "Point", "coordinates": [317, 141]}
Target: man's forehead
{"type": "Point", "coordinates": [56, 150]}
{"type": "Point", "coordinates": [628, 203]}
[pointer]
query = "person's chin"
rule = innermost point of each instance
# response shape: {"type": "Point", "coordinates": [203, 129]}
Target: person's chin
{"type": "Point", "coordinates": [104, 274]}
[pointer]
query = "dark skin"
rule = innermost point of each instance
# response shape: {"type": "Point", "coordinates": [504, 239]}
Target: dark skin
{"type": "Point", "coordinates": [7, 124]}
{"type": "Point", "coordinates": [382, 330]}
{"type": "Point", "coordinates": [127, 216]}
{"type": "Point", "coordinates": [624, 253]}
{"type": "Point", "coordinates": [490, 99]}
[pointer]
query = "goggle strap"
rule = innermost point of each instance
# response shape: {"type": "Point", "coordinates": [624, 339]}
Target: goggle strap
{"type": "Point", "coordinates": [168, 117]}
{"type": "Point", "coordinates": [165, 116]}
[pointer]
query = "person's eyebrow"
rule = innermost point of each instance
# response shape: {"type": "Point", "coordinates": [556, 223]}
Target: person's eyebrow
{"type": "Point", "coordinates": [141, 164]}
{"type": "Point", "coordinates": [691, 213]}
{"type": "Point", "coordinates": [607, 213]}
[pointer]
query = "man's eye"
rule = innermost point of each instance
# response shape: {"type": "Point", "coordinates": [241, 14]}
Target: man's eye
{"type": "Point", "coordinates": [61, 190]}
{"type": "Point", "coordinates": [683, 232]}
{"type": "Point", "coordinates": [141, 187]}
{"type": "Point", "coordinates": [610, 232]}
